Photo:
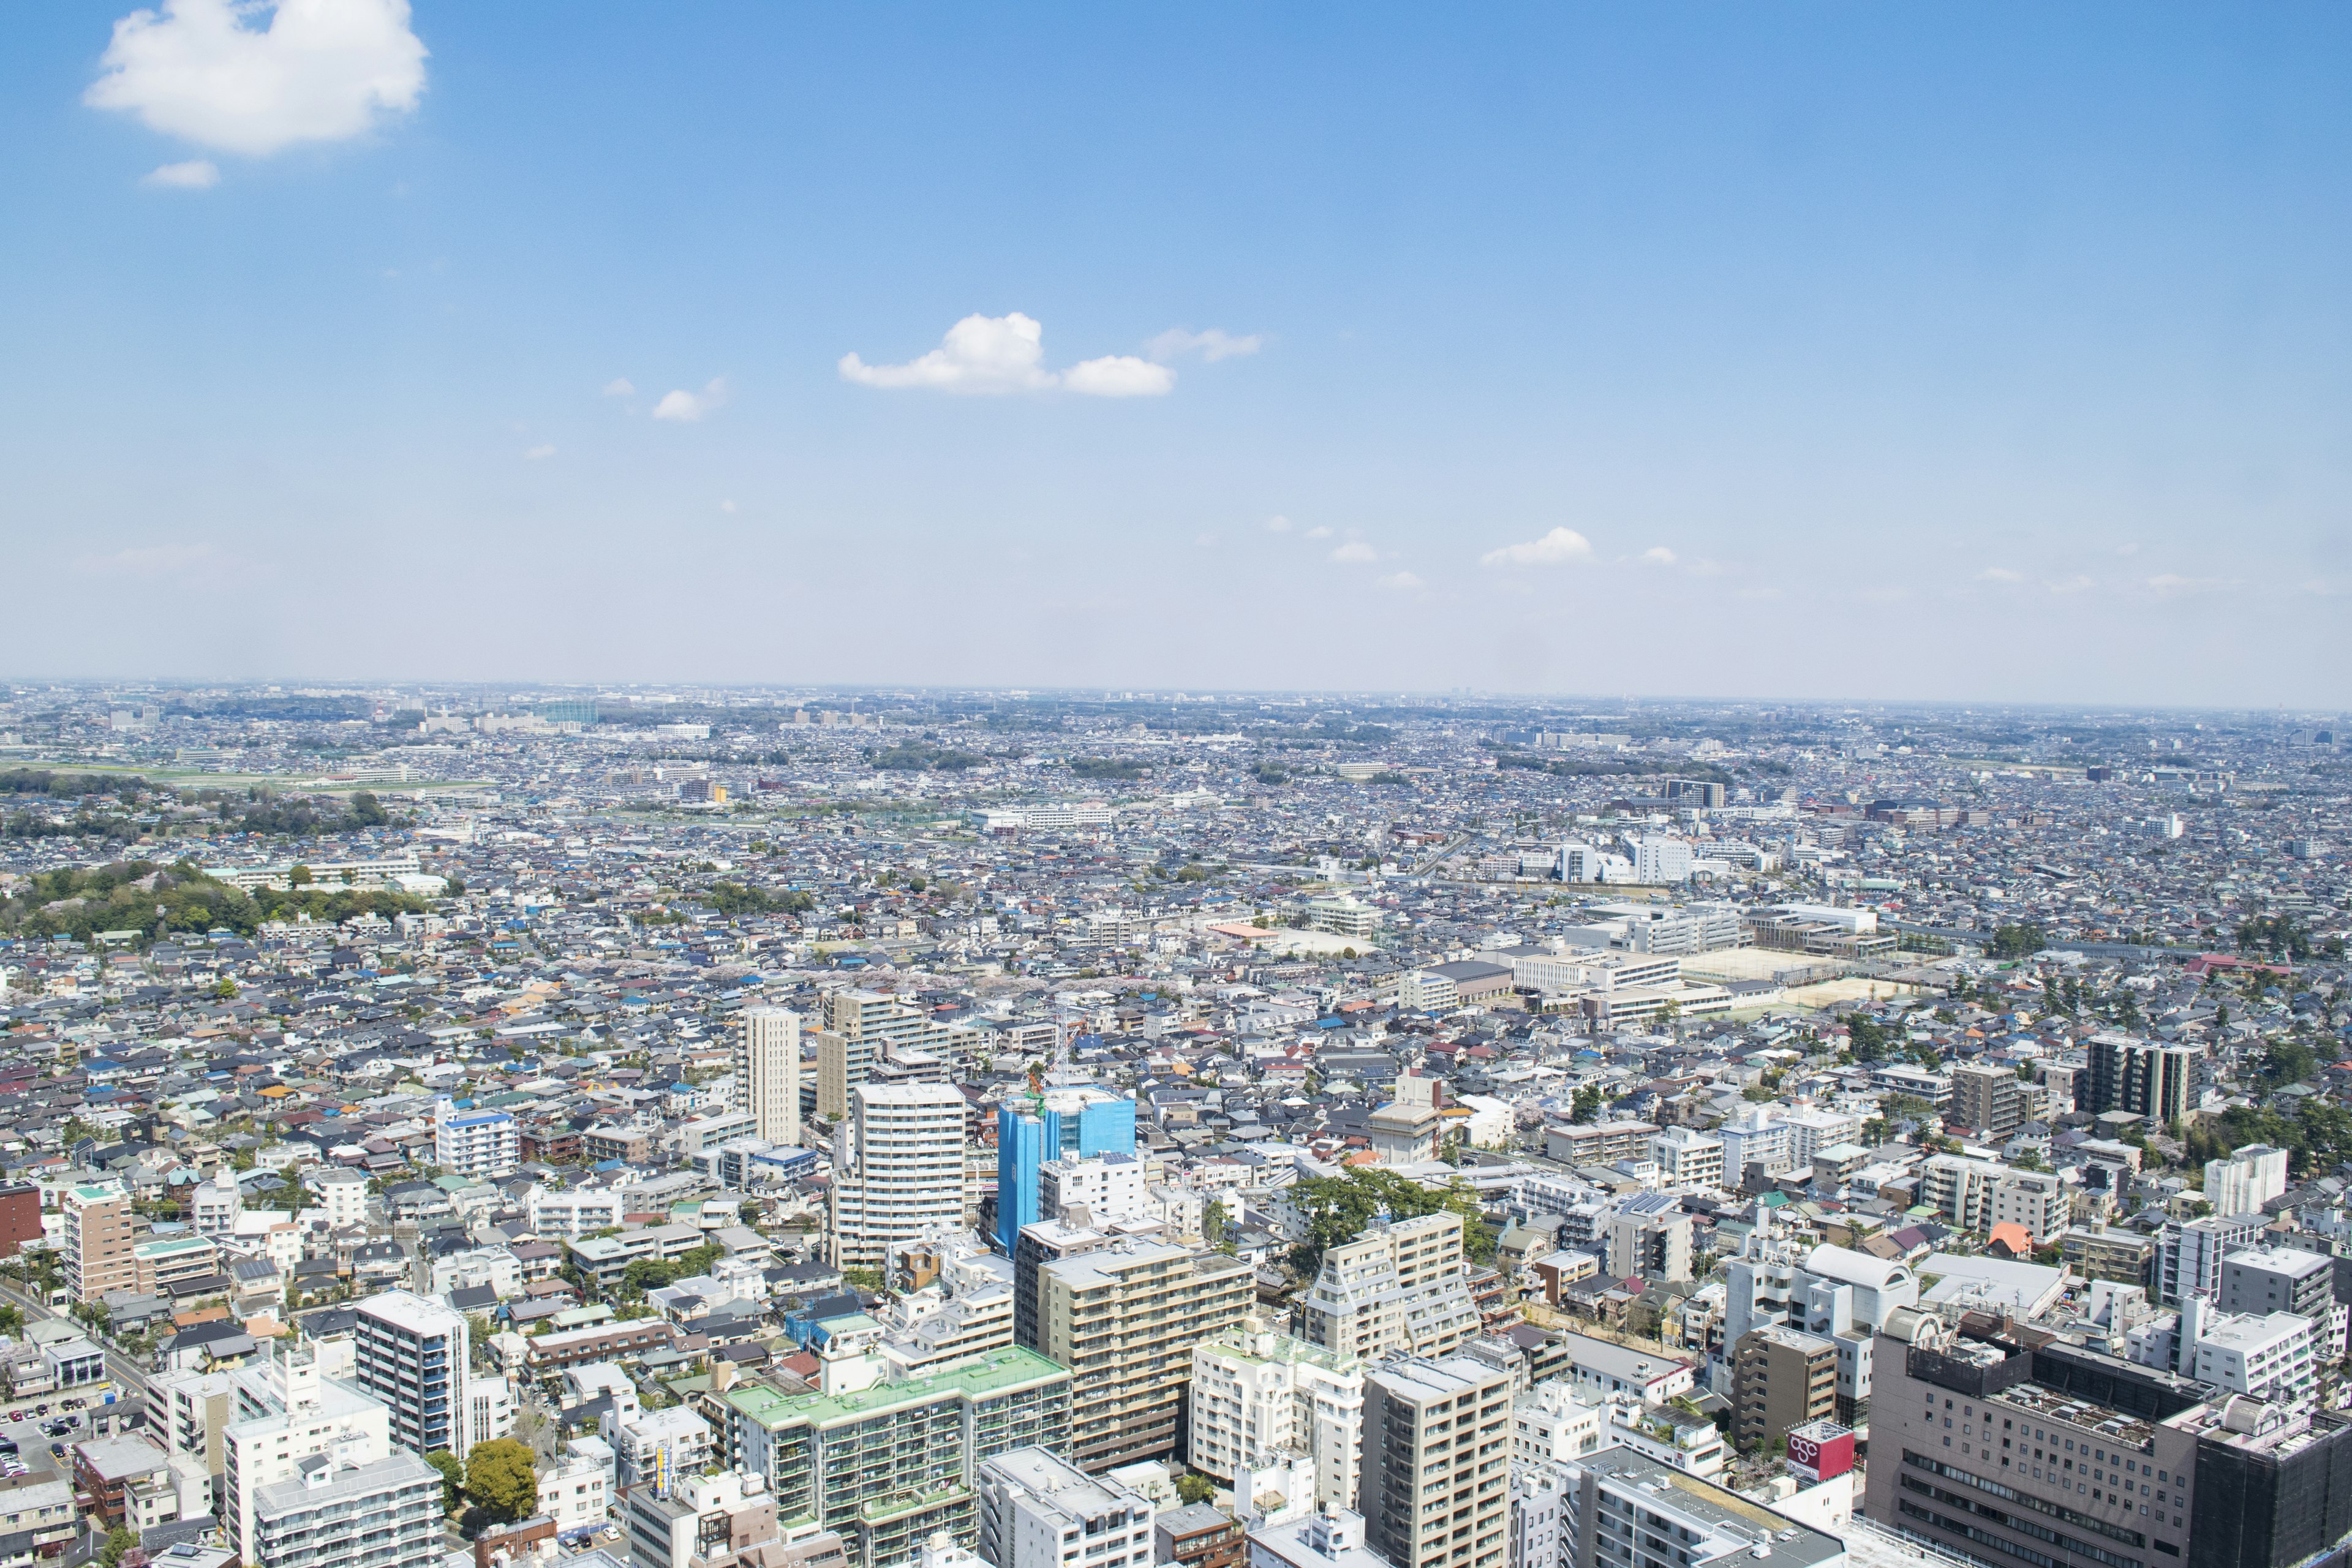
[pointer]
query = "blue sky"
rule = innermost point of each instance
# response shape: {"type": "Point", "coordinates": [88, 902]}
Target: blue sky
{"type": "Point", "coordinates": [1941, 352]}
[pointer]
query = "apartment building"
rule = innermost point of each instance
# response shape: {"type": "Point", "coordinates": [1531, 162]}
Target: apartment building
{"type": "Point", "coordinates": [2246, 1179]}
{"type": "Point", "coordinates": [722, 1521]}
{"type": "Point", "coordinates": [889, 1464]}
{"type": "Point", "coordinates": [1261, 1399]}
{"type": "Point", "coordinates": [2278, 1280]}
{"type": "Point", "coordinates": [2190, 1253]}
{"type": "Point", "coordinates": [2146, 1077]}
{"type": "Point", "coordinates": [1687, 1157]}
{"type": "Point", "coordinates": [98, 1240]}
{"type": "Point", "coordinates": [335, 1513]}
{"type": "Point", "coordinates": [1600, 1142]}
{"type": "Point", "coordinates": [1125, 1318]}
{"type": "Point", "coordinates": [1436, 1491]}
{"type": "Point", "coordinates": [413, 1357]}
{"type": "Point", "coordinates": [859, 1026]}
{"type": "Point", "coordinates": [1400, 1291]}
{"type": "Point", "coordinates": [476, 1144]}
{"type": "Point", "coordinates": [898, 1170]}
{"type": "Point", "coordinates": [1630, 1510]}
{"type": "Point", "coordinates": [1039, 1510]}
{"type": "Point", "coordinates": [275, 1424]}
{"type": "Point", "coordinates": [1832, 1291]}
{"type": "Point", "coordinates": [1552, 1423]}
{"type": "Point", "coordinates": [768, 1073]}
{"type": "Point", "coordinates": [1978, 1195]}
{"type": "Point", "coordinates": [1990, 1101]}
{"type": "Point", "coordinates": [1780, 1378]}
{"type": "Point", "coordinates": [1649, 1238]}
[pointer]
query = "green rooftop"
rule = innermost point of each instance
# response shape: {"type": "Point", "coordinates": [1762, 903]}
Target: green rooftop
{"type": "Point", "coordinates": [991, 1373]}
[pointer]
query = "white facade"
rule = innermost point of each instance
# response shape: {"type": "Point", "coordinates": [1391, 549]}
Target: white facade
{"type": "Point", "coordinates": [306, 1418]}
{"type": "Point", "coordinates": [1660, 858]}
{"type": "Point", "coordinates": [1039, 1510]}
{"type": "Point", "coordinates": [2247, 1180]}
{"type": "Point", "coordinates": [1688, 1158]}
{"type": "Point", "coordinates": [1540, 1516]}
{"type": "Point", "coordinates": [897, 1169]}
{"type": "Point", "coordinates": [660, 1446]}
{"type": "Point", "coordinates": [768, 1072]}
{"type": "Point", "coordinates": [413, 1356]}
{"type": "Point", "coordinates": [1110, 1188]}
{"type": "Point", "coordinates": [1552, 1423]}
{"type": "Point", "coordinates": [572, 1492]}
{"type": "Point", "coordinates": [568, 1215]}
{"type": "Point", "coordinates": [343, 1195]}
{"type": "Point", "coordinates": [216, 1205]}
{"type": "Point", "coordinates": [1259, 1396]}
{"type": "Point", "coordinates": [474, 1144]}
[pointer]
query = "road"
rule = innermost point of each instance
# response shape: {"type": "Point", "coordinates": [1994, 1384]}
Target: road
{"type": "Point", "coordinates": [128, 1375]}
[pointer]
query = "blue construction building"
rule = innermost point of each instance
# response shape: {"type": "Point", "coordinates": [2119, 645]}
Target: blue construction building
{"type": "Point", "coordinates": [1060, 1124]}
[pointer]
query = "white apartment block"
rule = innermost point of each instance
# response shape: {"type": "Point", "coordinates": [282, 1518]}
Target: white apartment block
{"type": "Point", "coordinates": [413, 1357]}
{"type": "Point", "coordinates": [570, 1215]}
{"type": "Point", "coordinates": [2247, 1180]}
{"type": "Point", "coordinates": [1977, 1194]}
{"type": "Point", "coordinates": [478, 1144]}
{"type": "Point", "coordinates": [1110, 1187]}
{"type": "Point", "coordinates": [1039, 1510]}
{"type": "Point", "coordinates": [1400, 1291]}
{"type": "Point", "coordinates": [1259, 1399]}
{"type": "Point", "coordinates": [300, 1423]}
{"type": "Point", "coordinates": [1551, 1423]}
{"type": "Point", "coordinates": [898, 1171]}
{"type": "Point", "coordinates": [343, 1196]}
{"type": "Point", "coordinates": [768, 1073]}
{"type": "Point", "coordinates": [1688, 1158]}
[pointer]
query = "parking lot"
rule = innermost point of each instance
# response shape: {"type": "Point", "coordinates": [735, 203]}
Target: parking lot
{"type": "Point", "coordinates": [49, 1426]}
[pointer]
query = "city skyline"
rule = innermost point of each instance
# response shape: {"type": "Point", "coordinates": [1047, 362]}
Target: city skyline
{"type": "Point", "coordinates": [1926, 358]}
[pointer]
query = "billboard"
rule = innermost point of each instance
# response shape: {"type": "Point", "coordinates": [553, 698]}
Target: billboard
{"type": "Point", "coordinates": [1819, 1450]}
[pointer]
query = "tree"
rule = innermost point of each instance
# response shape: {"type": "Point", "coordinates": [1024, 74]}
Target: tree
{"type": "Point", "coordinates": [1212, 1221]}
{"type": "Point", "coordinates": [453, 1477]}
{"type": "Point", "coordinates": [117, 1541]}
{"type": "Point", "coordinates": [1191, 1488]}
{"type": "Point", "coordinates": [299, 877]}
{"type": "Point", "coordinates": [502, 1476]}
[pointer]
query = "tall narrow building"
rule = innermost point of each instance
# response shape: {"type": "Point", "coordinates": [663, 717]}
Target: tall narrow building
{"type": "Point", "coordinates": [1437, 1463]}
{"type": "Point", "coordinates": [1124, 1319]}
{"type": "Point", "coordinates": [898, 1171]}
{"type": "Point", "coordinates": [412, 1354]}
{"type": "Point", "coordinates": [97, 1246]}
{"type": "Point", "coordinates": [768, 1072]}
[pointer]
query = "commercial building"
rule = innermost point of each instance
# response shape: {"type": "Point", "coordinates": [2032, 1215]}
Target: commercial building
{"type": "Point", "coordinates": [1261, 1399]}
{"type": "Point", "coordinates": [1196, 1536]}
{"type": "Point", "coordinates": [898, 1171]}
{"type": "Point", "coordinates": [1125, 1318]}
{"type": "Point", "coordinates": [98, 1245]}
{"type": "Point", "coordinates": [476, 1144]}
{"type": "Point", "coordinates": [1039, 1510]}
{"type": "Point", "coordinates": [768, 1073]}
{"type": "Point", "coordinates": [2146, 1077]}
{"type": "Point", "coordinates": [1780, 1378]}
{"type": "Point", "coordinates": [1400, 1291]}
{"type": "Point", "coordinates": [1438, 1462]}
{"type": "Point", "coordinates": [2245, 1181]}
{"type": "Point", "coordinates": [413, 1356]}
{"type": "Point", "coordinates": [889, 1463]}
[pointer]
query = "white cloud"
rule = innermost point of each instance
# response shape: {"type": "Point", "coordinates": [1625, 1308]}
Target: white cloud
{"type": "Point", "coordinates": [1355, 552]}
{"type": "Point", "coordinates": [995, 354]}
{"type": "Point", "coordinates": [1120, 375]}
{"type": "Point", "coordinates": [254, 77]}
{"type": "Point", "coordinates": [1277, 525]}
{"type": "Point", "coordinates": [619, 386]}
{"type": "Point", "coordinates": [727, 507]}
{"type": "Point", "coordinates": [1214, 344]}
{"type": "Point", "coordinates": [2071, 585]}
{"type": "Point", "coordinates": [150, 561]}
{"type": "Point", "coordinates": [2169, 585]}
{"type": "Point", "coordinates": [196, 175]}
{"type": "Point", "coordinates": [1399, 582]}
{"type": "Point", "coordinates": [1657, 555]}
{"type": "Point", "coordinates": [1557, 548]}
{"type": "Point", "coordinates": [686, 407]}
{"type": "Point", "coordinates": [1999, 575]}
{"type": "Point", "coordinates": [539, 454]}
{"type": "Point", "coordinates": [1318, 532]}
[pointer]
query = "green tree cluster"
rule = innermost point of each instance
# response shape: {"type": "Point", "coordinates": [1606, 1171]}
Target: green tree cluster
{"type": "Point", "coordinates": [1340, 1208]}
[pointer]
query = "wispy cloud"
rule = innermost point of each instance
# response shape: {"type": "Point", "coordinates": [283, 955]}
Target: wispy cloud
{"type": "Point", "coordinates": [149, 561]}
{"type": "Point", "coordinates": [2171, 585]}
{"type": "Point", "coordinates": [254, 78]}
{"type": "Point", "coordinates": [1277, 525]}
{"type": "Point", "coordinates": [1999, 575]}
{"type": "Point", "coordinates": [195, 174]}
{"type": "Point", "coordinates": [1318, 532]}
{"type": "Point", "coordinates": [1400, 583]}
{"type": "Point", "coordinates": [1355, 552]}
{"type": "Point", "coordinates": [999, 354]}
{"type": "Point", "coordinates": [686, 407]}
{"type": "Point", "coordinates": [1214, 344]}
{"type": "Point", "coordinates": [1561, 547]}
{"type": "Point", "coordinates": [538, 454]}
{"type": "Point", "coordinates": [1657, 555]}
{"type": "Point", "coordinates": [619, 386]}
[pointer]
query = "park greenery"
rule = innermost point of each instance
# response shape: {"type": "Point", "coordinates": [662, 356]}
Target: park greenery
{"type": "Point", "coordinates": [1340, 1208]}
{"type": "Point", "coordinates": [155, 899]}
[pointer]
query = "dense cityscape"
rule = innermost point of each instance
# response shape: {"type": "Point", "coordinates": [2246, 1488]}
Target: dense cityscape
{"type": "Point", "coordinates": [731, 1127]}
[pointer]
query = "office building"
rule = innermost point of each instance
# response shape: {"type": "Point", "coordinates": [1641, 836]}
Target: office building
{"type": "Point", "coordinates": [1125, 1318]}
{"type": "Point", "coordinates": [1436, 1465]}
{"type": "Point", "coordinates": [898, 1171]}
{"type": "Point", "coordinates": [476, 1144]}
{"type": "Point", "coordinates": [2278, 1280]}
{"type": "Point", "coordinates": [1400, 1291]}
{"type": "Point", "coordinates": [1990, 1101]}
{"type": "Point", "coordinates": [1630, 1510]}
{"type": "Point", "coordinates": [1039, 1510]}
{"type": "Point", "coordinates": [1261, 1400]}
{"type": "Point", "coordinates": [888, 1463]}
{"type": "Point", "coordinates": [2247, 1180]}
{"type": "Point", "coordinates": [768, 1073]}
{"type": "Point", "coordinates": [1780, 1378]}
{"type": "Point", "coordinates": [2146, 1077]}
{"type": "Point", "coordinates": [2273, 1356]}
{"type": "Point", "coordinates": [412, 1356]}
{"type": "Point", "coordinates": [98, 1246]}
